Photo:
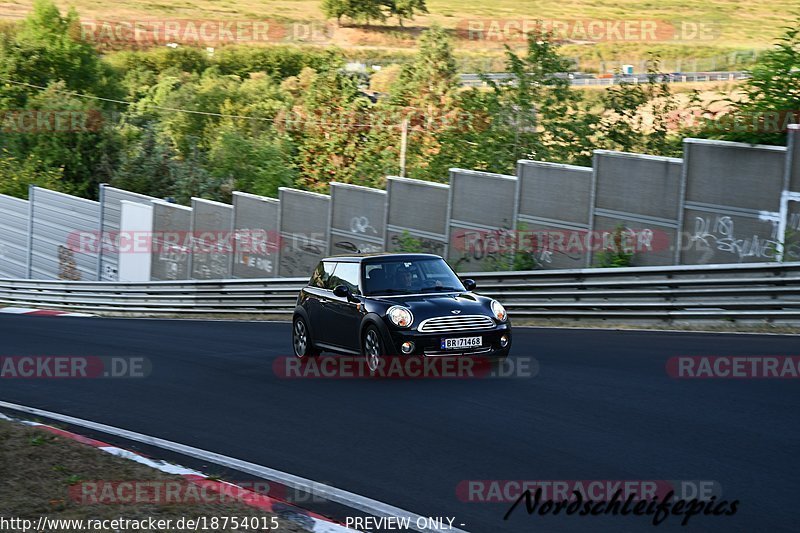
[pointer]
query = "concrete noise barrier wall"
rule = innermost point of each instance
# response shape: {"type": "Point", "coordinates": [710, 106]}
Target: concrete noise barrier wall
{"type": "Point", "coordinates": [304, 231]}
{"type": "Point", "coordinates": [212, 239]}
{"type": "Point", "coordinates": [636, 208]}
{"type": "Point", "coordinates": [13, 237]}
{"type": "Point", "coordinates": [416, 216]}
{"type": "Point", "coordinates": [111, 200]}
{"type": "Point", "coordinates": [358, 219]}
{"type": "Point", "coordinates": [256, 237]}
{"type": "Point", "coordinates": [552, 214]}
{"type": "Point", "coordinates": [482, 215]}
{"type": "Point", "coordinates": [172, 241]}
{"type": "Point", "coordinates": [732, 202]}
{"type": "Point", "coordinates": [790, 200]}
{"type": "Point", "coordinates": [63, 236]}
{"type": "Point", "coordinates": [723, 202]}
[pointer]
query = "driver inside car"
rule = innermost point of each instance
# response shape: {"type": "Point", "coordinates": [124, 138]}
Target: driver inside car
{"type": "Point", "coordinates": [404, 278]}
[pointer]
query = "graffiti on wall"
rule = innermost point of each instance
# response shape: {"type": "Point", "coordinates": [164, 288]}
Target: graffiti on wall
{"type": "Point", "coordinates": [174, 260]}
{"type": "Point", "coordinates": [538, 247]}
{"type": "Point", "coordinates": [359, 225]}
{"type": "Point", "coordinates": [300, 253]}
{"type": "Point", "coordinates": [67, 268]}
{"type": "Point", "coordinates": [717, 233]}
{"type": "Point", "coordinates": [254, 249]}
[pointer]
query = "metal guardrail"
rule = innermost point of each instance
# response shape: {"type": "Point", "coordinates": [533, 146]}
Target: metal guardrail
{"type": "Point", "coordinates": [477, 80]}
{"type": "Point", "coordinates": [752, 292]}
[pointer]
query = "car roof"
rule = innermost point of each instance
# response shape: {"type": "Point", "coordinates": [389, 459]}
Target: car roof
{"type": "Point", "coordinates": [377, 257]}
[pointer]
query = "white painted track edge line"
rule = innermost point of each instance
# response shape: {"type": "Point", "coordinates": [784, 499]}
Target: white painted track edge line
{"type": "Point", "coordinates": [336, 495]}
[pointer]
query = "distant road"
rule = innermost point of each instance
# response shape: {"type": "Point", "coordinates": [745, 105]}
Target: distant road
{"type": "Point", "coordinates": [475, 80]}
{"type": "Point", "coordinates": [602, 407]}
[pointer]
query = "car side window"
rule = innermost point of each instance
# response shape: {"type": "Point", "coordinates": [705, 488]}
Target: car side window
{"type": "Point", "coordinates": [376, 279]}
{"type": "Point", "coordinates": [322, 275]}
{"type": "Point", "coordinates": [347, 274]}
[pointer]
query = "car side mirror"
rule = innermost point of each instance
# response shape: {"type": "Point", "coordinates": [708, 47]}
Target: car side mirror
{"type": "Point", "coordinates": [341, 291]}
{"type": "Point", "coordinates": [469, 284]}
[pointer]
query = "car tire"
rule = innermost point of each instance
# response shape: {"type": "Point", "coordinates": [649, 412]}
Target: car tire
{"type": "Point", "coordinates": [302, 342]}
{"type": "Point", "coordinates": [372, 348]}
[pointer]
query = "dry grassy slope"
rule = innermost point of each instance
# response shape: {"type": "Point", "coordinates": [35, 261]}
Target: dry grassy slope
{"type": "Point", "coordinates": [750, 24]}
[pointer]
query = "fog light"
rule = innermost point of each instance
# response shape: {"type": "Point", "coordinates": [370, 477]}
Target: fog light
{"type": "Point", "coordinates": [504, 341]}
{"type": "Point", "coordinates": [407, 347]}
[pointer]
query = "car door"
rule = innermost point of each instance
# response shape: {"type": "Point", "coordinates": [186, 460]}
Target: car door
{"type": "Point", "coordinates": [318, 296]}
{"type": "Point", "coordinates": [345, 315]}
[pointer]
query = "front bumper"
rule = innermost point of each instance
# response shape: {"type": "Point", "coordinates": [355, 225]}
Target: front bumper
{"type": "Point", "coordinates": [429, 344]}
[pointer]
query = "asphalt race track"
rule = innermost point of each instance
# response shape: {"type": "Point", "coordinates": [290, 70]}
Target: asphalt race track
{"type": "Point", "coordinates": [602, 407]}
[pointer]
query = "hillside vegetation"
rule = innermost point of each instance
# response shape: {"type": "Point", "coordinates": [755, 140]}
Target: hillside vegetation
{"type": "Point", "coordinates": [708, 35]}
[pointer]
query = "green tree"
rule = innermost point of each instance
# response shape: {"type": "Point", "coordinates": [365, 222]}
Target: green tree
{"type": "Point", "coordinates": [337, 9]}
{"type": "Point", "coordinates": [357, 10]}
{"type": "Point", "coordinates": [406, 9]}
{"type": "Point", "coordinates": [424, 94]}
{"type": "Point", "coordinates": [549, 118]}
{"type": "Point", "coordinates": [70, 134]}
{"type": "Point", "coordinates": [16, 176]}
{"type": "Point", "coordinates": [41, 65]}
{"type": "Point", "coordinates": [770, 97]}
{"type": "Point", "coordinates": [47, 48]}
{"type": "Point", "coordinates": [329, 122]}
{"type": "Point", "coordinates": [636, 116]}
{"type": "Point", "coordinates": [257, 165]}
{"type": "Point", "coordinates": [536, 115]}
{"type": "Point", "coordinates": [148, 166]}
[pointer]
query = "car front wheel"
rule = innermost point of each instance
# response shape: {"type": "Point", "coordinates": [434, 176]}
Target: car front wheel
{"type": "Point", "coordinates": [301, 339]}
{"type": "Point", "coordinates": [372, 348]}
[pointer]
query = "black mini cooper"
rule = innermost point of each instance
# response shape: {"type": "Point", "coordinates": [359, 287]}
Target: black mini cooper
{"type": "Point", "coordinates": [396, 304]}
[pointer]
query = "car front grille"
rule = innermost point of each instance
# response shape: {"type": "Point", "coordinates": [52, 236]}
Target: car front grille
{"type": "Point", "coordinates": [447, 324]}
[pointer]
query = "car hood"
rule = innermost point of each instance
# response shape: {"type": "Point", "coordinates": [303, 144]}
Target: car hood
{"type": "Point", "coordinates": [441, 304]}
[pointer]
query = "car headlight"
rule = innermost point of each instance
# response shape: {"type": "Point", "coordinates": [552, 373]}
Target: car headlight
{"type": "Point", "coordinates": [499, 311]}
{"type": "Point", "coordinates": [400, 316]}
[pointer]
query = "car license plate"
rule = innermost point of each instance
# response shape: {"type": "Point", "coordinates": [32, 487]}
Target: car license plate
{"type": "Point", "coordinates": [461, 342]}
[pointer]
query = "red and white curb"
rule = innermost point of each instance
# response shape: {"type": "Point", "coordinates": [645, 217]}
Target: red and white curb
{"type": "Point", "coordinates": [38, 312]}
{"type": "Point", "coordinates": [302, 517]}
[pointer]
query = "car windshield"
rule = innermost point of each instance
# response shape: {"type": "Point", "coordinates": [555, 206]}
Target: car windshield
{"type": "Point", "coordinates": [409, 276]}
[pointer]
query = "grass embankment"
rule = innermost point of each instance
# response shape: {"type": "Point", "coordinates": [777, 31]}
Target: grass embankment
{"type": "Point", "coordinates": [731, 27]}
{"type": "Point", "coordinates": [40, 472]}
